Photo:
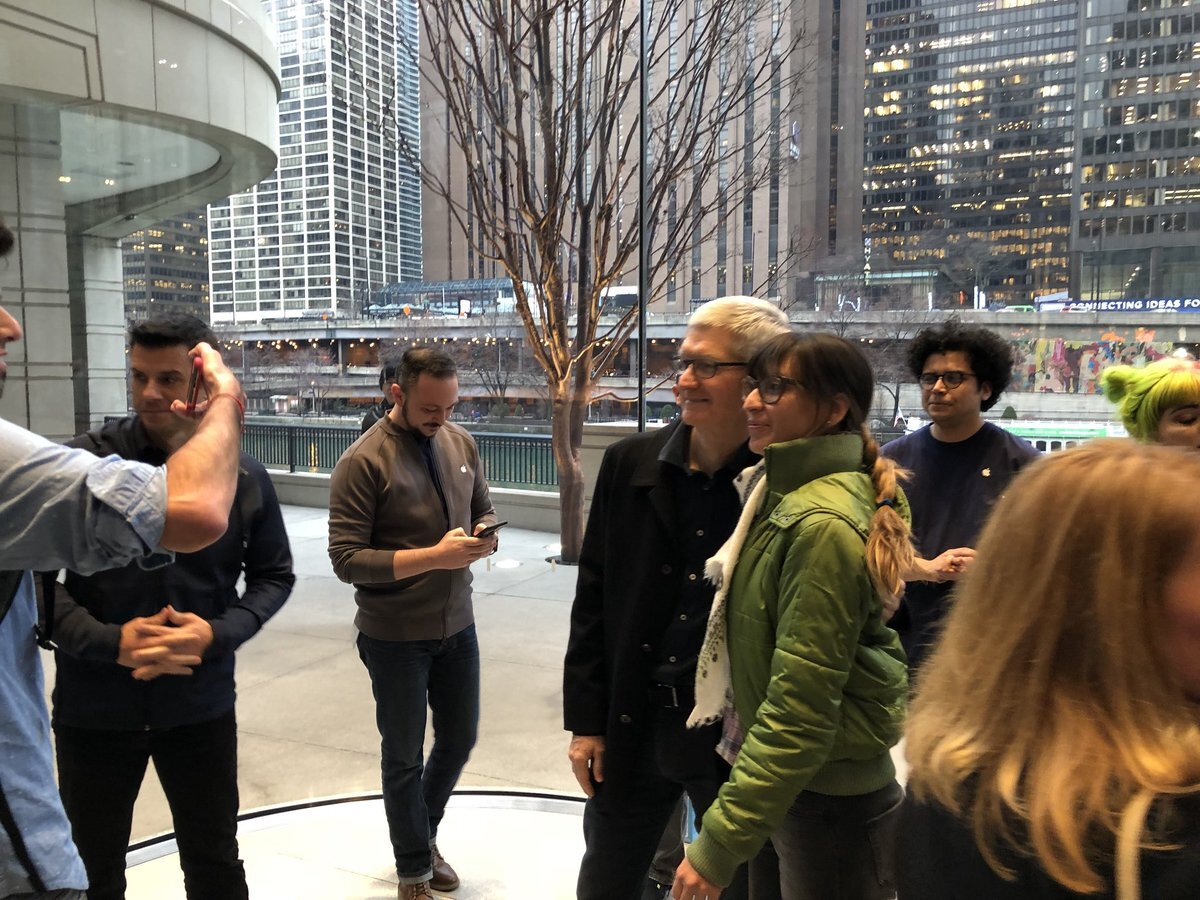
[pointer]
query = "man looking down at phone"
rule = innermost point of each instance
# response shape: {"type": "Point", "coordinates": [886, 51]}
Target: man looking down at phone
{"type": "Point", "coordinates": [407, 503]}
{"type": "Point", "coordinates": [61, 506]}
{"type": "Point", "coordinates": [126, 635]}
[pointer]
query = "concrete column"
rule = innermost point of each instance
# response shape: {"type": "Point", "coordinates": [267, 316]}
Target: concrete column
{"type": "Point", "coordinates": [97, 328]}
{"type": "Point", "coordinates": [1156, 288]}
{"type": "Point", "coordinates": [33, 278]}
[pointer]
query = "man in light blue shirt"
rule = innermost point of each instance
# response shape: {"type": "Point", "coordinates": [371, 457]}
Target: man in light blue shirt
{"type": "Point", "coordinates": [67, 508]}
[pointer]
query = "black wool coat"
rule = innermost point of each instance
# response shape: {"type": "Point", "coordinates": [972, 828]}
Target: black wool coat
{"type": "Point", "coordinates": [625, 594]}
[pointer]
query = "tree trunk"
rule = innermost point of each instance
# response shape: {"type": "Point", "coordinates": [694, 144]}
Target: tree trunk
{"type": "Point", "coordinates": [566, 440]}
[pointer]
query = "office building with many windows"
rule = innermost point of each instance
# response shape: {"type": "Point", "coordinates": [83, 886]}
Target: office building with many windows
{"type": "Point", "coordinates": [166, 268]}
{"type": "Point", "coordinates": [781, 188]}
{"type": "Point", "coordinates": [1137, 207]}
{"type": "Point", "coordinates": [969, 141]}
{"type": "Point", "coordinates": [341, 217]}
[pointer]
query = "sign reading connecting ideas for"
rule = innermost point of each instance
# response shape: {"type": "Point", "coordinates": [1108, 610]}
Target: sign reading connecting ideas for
{"type": "Point", "coordinates": [1165, 304]}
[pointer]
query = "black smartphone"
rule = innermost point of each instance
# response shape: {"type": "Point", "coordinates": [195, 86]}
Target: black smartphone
{"type": "Point", "coordinates": [194, 384]}
{"type": "Point", "coordinates": [491, 529]}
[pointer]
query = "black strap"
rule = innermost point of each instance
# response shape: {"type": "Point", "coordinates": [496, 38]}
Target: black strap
{"type": "Point", "coordinates": [43, 629]}
{"type": "Point", "coordinates": [9, 582]}
{"type": "Point", "coordinates": [18, 844]}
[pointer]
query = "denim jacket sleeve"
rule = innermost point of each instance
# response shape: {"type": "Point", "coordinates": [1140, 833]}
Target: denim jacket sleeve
{"type": "Point", "coordinates": [66, 508]}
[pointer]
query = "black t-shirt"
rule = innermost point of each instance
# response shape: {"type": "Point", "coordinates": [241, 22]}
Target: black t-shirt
{"type": "Point", "coordinates": [952, 490]}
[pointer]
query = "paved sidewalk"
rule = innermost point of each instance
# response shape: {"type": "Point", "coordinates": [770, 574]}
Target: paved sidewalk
{"type": "Point", "coordinates": [306, 719]}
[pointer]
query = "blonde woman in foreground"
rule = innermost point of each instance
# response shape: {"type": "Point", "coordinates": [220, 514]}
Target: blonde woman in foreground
{"type": "Point", "coordinates": [1054, 743]}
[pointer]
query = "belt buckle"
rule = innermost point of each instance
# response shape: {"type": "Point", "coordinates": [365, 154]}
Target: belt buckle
{"type": "Point", "coordinates": [664, 700]}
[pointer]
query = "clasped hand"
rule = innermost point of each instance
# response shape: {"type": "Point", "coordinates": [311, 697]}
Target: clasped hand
{"type": "Point", "coordinates": [169, 642]}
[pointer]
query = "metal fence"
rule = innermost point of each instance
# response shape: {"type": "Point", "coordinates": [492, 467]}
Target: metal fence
{"type": "Point", "coordinates": [509, 460]}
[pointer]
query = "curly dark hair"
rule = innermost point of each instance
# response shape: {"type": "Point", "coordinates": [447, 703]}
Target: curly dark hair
{"type": "Point", "coordinates": [991, 356]}
{"type": "Point", "coordinates": [6, 239]}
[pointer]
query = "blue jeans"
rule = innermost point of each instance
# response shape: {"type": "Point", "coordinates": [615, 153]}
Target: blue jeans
{"type": "Point", "coordinates": [407, 676]}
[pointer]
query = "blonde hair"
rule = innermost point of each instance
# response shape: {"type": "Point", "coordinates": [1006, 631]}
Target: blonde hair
{"type": "Point", "coordinates": [1144, 395]}
{"type": "Point", "coordinates": [1048, 708]}
{"type": "Point", "coordinates": [890, 550]}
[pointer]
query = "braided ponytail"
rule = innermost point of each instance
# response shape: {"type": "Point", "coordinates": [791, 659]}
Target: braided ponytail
{"type": "Point", "coordinates": [889, 542]}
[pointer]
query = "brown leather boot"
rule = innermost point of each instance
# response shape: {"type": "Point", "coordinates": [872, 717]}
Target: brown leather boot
{"type": "Point", "coordinates": [414, 891]}
{"type": "Point", "coordinates": [444, 877]}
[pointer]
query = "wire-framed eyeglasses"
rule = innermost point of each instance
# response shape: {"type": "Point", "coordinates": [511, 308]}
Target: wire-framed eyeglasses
{"type": "Point", "coordinates": [770, 389]}
{"type": "Point", "coordinates": [701, 368]}
{"type": "Point", "coordinates": [951, 378]}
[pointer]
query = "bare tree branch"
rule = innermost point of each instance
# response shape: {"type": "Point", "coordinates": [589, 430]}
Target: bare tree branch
{"type": "Point", "coordinates": [539, 97]}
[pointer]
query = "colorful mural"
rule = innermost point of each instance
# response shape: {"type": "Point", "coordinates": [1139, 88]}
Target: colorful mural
{"type": "Point", "coordinates": [1055, 365]}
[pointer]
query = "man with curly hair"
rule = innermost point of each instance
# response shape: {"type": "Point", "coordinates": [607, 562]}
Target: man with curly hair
{"type": "Point", "coordinates": [960, 466]}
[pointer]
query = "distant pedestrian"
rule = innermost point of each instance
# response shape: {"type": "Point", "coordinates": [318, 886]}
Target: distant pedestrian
{"type": "Point", "coordinates": [387, 377]}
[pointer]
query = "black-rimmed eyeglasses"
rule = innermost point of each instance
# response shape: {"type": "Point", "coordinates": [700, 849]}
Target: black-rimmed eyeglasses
{"type": "Point", "coordinates": [770, 389]}
{"type": "Point", "coordinates": [951, 378]}
{"type": "Point", "coordinates": [701, 368]}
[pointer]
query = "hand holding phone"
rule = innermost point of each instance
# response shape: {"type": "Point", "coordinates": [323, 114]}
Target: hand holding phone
{"type": "Point", "coordinates": [490, 530]}
{"type": "Point", "coordinates": [194, 383]}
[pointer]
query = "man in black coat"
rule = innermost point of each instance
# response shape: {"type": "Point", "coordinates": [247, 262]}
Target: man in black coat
{"type": "Point", "coordinates": [664, 502]}
{"type": "Point", "coordinates": [125, 635]}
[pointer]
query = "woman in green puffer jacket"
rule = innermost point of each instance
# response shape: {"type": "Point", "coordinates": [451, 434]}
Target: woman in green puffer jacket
{"type": "Point", "coordinates": [797, 631]}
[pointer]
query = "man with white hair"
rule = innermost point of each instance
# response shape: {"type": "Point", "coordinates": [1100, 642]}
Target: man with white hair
{"type": "Point", "coordinates": [664, 503]}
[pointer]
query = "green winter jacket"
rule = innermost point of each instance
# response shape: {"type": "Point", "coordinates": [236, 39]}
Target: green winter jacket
{"type": "Point", "coordinates": [819, 680]}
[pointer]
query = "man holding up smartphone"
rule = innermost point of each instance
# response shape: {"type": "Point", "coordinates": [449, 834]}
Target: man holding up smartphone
{"type": "Point", "coordinates": [65, 507]}
{"type": "Point", "coordinates": [407, 507]}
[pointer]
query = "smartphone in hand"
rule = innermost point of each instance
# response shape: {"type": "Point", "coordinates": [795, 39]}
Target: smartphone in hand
{"type": "Point", "coordinates": [195, 382]}
{"type": "Point", "coordinates": [490, 530]}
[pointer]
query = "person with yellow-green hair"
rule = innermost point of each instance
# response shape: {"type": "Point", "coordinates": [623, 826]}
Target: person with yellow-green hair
{"type": "Point", "coordinates": [1159, 403]}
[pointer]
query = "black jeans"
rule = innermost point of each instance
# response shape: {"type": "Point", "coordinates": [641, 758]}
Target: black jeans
{"type": "Point", "coordinates": [408, 677]}
{"type": "Point", "coordinates": [833, 848]}
{"type": "Point", "coordinates": [622, 827]}
{"type": "Point", "coordinates": [100, 773]}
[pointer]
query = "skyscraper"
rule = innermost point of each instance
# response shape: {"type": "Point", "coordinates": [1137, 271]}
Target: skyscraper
{"type": "Point", "coordinates": [166, 268]}
{"type": "Point", "coordinates": [1137, 196]}
{"type": "Point", "coordinates": [770, 188]}
{"type": "Point", "coordinates": [341, 216]}
{"type": "Point", "coordinates": [969, 141]}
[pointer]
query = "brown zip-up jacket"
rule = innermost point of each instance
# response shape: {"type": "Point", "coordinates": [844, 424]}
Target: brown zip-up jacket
{"type": "Point", "coordinates": [382, 499]}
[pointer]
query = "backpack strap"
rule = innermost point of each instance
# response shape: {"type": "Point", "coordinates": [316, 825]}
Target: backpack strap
{"type": "Point", "coordinates": [10, 580]}
{"type": "Point", "coordinates": [43, 630]}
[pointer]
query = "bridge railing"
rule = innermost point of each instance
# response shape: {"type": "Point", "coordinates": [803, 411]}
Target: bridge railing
{"type": "Point", "coordinates": [509, 460]}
